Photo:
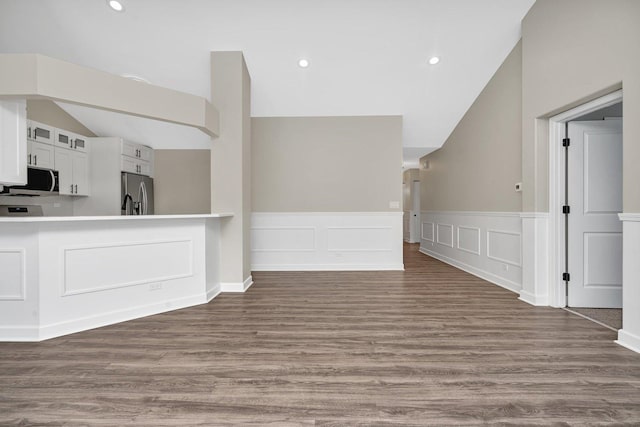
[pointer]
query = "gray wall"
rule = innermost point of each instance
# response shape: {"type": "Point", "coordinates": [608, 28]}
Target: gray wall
{"type": "Point", "coordinates": [477, 167]}
{"type": "Point", "coordinates": [326, 164]}
{"type": "Point", "coordinates": [575, 51]}
{"type": "Point", "coordinates": [182, 182]}
{"type": "Point", "coordinates": [47, 112]}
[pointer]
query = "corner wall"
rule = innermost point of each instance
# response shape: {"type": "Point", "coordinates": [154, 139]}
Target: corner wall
{"type": "Point", "coordinates": [182, 182]}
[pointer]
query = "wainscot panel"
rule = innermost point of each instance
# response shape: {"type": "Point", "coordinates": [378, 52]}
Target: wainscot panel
{"type": "Point", "coordinates": [297, 241]}
{"type": "Point", "coordinates": [486, 244]}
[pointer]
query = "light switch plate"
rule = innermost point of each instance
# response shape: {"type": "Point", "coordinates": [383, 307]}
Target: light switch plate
{"type": "Point", "coordinates": [394, 205]}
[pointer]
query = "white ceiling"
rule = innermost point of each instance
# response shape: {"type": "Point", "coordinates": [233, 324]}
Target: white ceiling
{"type": "Point", "coordinates": [367, 57]}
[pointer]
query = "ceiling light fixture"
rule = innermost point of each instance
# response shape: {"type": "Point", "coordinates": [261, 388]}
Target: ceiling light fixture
{"type": "Point", "coordinates": [136, 78]}
{"type": "Point", "coordinates": [303, 63]}
{"type": "Point", "coordinates": [115, 5]}
{"type": "Point", "coordinates": [434, 60]}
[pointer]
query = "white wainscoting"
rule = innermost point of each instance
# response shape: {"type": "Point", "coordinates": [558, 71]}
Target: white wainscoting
{"type": "Point", "coordinates": [486, 244]}
{"type": "Point", "coordinates": [13, 275]}
{"type": "Point", "coordinates": [307, 241]}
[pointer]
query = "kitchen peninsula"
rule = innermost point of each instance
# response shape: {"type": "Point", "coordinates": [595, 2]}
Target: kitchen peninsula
{"type": "Point", "coordinates": [62, 275]}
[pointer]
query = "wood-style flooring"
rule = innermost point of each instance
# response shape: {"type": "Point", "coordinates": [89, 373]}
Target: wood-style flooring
{"type": "Point", "coordinates": [428, 346]}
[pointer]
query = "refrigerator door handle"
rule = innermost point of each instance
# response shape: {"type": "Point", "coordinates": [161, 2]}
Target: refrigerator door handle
{"type": "Point", "coordinates": [142, 197]}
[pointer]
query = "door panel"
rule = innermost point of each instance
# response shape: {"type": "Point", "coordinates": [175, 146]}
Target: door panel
{"type": "Point", "coordinates": [594, 230]}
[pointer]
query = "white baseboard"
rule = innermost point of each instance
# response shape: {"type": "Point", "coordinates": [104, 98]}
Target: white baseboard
{"type": "Point", "coordinates": [529, 298]}
{"type": "Point", "coordinates": [214, 292]}
{"type": "Point", "coordinates": [329, 267]}
{"type": "Point", "coordinates": [326, 241]}
{"type": "Point", "coordinates": [497, 280]}
{"type": "Point", "coordinates": [19, 333]}
{"type": "Point", "coordinates": [100, 320]}
{"type": "Point", "coordinates": [237, 286]}
{"type": "Point", "coordinates": [628, 340]}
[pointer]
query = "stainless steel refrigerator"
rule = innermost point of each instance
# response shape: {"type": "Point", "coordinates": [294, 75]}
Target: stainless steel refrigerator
{"type": "Point", "coordinates": [137, 194]}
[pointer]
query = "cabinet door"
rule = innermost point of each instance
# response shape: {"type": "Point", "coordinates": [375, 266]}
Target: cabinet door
{"type": "Point", "coordinates": [79, 143]}
{"type": "Point", "coordinates": [63, 139]}
{"type": "Point", "coordinates": [80, 174]}
{"type": "Point", "coordinates": [64, 166]}
{"type": "Point", "coordinates": [144, 168]}
{"type": "Point", "coordinates": [129, 149]}
{"type": "Point", "coordinates": [42, 133]}
{"type": "Point", "coordinates": [145, 153]}
{"type": "Point", "coordinates": [13, 142]}
{"type": "Point", "coordinates": [41, 155]}
{"type": "Point", "coordinates": [129, 165]}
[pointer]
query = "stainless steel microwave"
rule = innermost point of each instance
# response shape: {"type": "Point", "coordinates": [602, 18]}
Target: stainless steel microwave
{"type": "Point", "coordinates": [40, 182]}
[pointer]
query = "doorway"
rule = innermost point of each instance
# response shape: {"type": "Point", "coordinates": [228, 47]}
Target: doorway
{"type": "Point", "coordinates": [585, 161]}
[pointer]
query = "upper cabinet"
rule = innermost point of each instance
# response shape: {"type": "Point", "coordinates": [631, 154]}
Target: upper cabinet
{"type": "Point", "coordinates": [136, 158]}
{"type": "Point", "coordinates": [13, 142]}
{"type": "Point", "coordinates": [70, 141]}
{"type": "Point", "coordinates": [40, 132]}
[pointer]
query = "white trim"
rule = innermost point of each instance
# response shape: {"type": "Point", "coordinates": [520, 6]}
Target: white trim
{"type": "Point", "coordinates": [328, 267]}
{"type": "Point", "coordinates": [536, 215]}
{"type": "Point", "coordinates": [536, 300]}
{"type": "Point", "coordinates": [23, 266]}
{"type": "Point", "coordinates": [395, 213]}
{"type": "Point", "coordinates": [474, 213]}
{"type": "Point", "coordinates": [631, 217]}
{"type": "Point", "coordinates": [34, 333]}
{"type": "Point", "coordinates": [213, 292]}
{"type": "Point", "coordinates": [555, 240]}
{"type": "Point", "coordinates": [628, 340]}
{"type": "Point", "coordinates": [458, 239]}
{"type": "Point", "coordinates": [236, 286]}
{"type": "Point", "coordinates": [496, 280]}
{"type": "Point", "coordinates": [438, 234]}
{"type": "Point", "coordinates": [496, 258]}
{"type": "Point", "coordinates": [433, 231]}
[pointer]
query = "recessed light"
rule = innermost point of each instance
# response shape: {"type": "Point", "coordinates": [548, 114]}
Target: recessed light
{"type": "Point", "coordinates": [115, 5]}
{"type": "Point", "coordinates": [303, 63]}
{"type": "Point", "coordinates": [434, 60]}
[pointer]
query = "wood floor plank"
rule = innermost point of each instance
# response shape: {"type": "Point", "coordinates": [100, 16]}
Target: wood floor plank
{"type": "Point", "coordinates": [428, 346]}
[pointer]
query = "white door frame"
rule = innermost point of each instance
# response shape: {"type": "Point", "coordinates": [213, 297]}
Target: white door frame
{"type": "Point", "coordinates": [557, 290]}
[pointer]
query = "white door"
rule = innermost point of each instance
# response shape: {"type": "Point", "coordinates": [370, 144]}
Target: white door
{"type": "Point", "coordinates": [415, 212]}
{"type": "Point", "coordinates": [64, 166]}
{"type": "Point", "coordinates": [595, 199]}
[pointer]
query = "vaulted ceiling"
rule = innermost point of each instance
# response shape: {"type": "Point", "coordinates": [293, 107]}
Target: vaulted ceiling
{"type": "Point", "coordinates": [366, 57]}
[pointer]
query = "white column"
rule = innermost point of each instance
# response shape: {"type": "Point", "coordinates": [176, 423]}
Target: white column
{"type": "Point", "coordinates": [535, 286]}
{"type": "Point", "coordinates": [629, 335]}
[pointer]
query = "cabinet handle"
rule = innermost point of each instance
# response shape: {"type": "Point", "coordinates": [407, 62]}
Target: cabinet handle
{"type": "Point", "coordinates": [29, 160]}
{"type": "Point", "coordinates": [76, 188]}
{"type": "Point", "coordinates": [35, 160]}
{"type": "Point", "coordinates": [29, 132]}
{"type": "Point", "coordinates": [71, 188]}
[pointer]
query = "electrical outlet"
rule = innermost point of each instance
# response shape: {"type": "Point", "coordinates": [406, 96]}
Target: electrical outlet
{"type": "Point", "coordinates": [394, 205]}
{"type": "Point", "coordinates": [518, 187]}
{"type": "Point", "coordinates": [155, 286]}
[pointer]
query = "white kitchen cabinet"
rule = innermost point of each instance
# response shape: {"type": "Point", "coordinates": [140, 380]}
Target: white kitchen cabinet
{"type": "Point", "coordinates": [71, 141]}
{"type": "Point", "coordinates": [135, 166]}
{"type": "Point", "coordinates": [40, 132]}
{"type": "Point", "coordinates": [73, 172]}
{"type": "Point", "coordinates": [40, 155]}
{"type": "Point", "coordinates": [13, 142]}
{"type": "Point", "coordinates": [136, 158]}
{"type": "Point", "coordinates": [137, 151]}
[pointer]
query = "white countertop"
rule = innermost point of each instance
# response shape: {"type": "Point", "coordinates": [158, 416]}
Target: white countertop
{"type": "Point", "coordinates": [111, 218]}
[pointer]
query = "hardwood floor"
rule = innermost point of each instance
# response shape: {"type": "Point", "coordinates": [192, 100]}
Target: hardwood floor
{"type": "Point", "coordinates": [428, 346]}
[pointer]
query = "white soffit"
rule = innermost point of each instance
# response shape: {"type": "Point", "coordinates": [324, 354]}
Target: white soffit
{"type": "Point", "coordinates": [367, 57]}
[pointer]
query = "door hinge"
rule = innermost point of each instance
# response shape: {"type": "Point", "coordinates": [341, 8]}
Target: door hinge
{"type": "Point", "coordinates": [566, 142]}
{"type": "Point", "coordinates": [566, 210]}
{"type": "Point", "coordinates": [566, 277]}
